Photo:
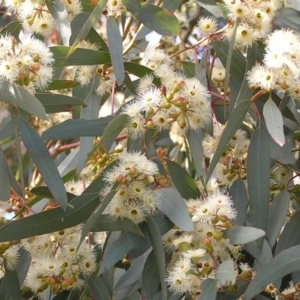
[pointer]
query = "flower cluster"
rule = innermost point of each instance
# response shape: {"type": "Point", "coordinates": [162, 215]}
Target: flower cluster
{"type": "Point", "coordinates": [115, 8]}
{"type": "Point", "coordinates": [85, 74]}
{"type": "Point", "coordinates": [35, 16]}
{"type": "Point", "coordinates": [134, 198]}
{"type": "Point", "coordinates": [9, 257]}
{"type": "Point", "coordinates": [232, 164]}
{"type": "Point", "coordinates": [255, 19]}
{"type": "Point", "coordinates": [197, 254]}
{"type": "Point", "coordinates": [281, 68]}
{"type": "Point", "coordinates": [56, 262]}
{"type": "Point", "coordinates": [180, 99]}
{"type": "Point", "coordinates": [27, 63]}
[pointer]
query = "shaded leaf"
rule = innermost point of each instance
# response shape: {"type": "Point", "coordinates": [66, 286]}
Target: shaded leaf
{"type": "Point", "coordinates": [277, 216]}
{"type": "Point", "coordinates": [13, 28]}
{"type": "Point", "coordinates": [290, 234]}
{"type": "Point", "coordinates": [4, 177]}
{"type": "Point", "coordinates": [90, 22]}
{"type": "Point", "coordinates": [46, 166]}
{"type": "Point", "coordinates": [75, 128]}
{"type": "Point", "coordinates": [242, 235]}
{"type": "Point", "coordinates": [17, 95]}
{"type": "Point", "coordinates": [113, 129]}
{"type": "Point", "coordinates": [258, 178]}
{"type": "Point", "coordinates": [284, 263]}
{"type": "Point", "coordinates": [116, 48]}
{"type": "Point", "coordinates": [239, 197]}
{"type": "Point", "coordinates": [212, 7]}
{"type": "Point", "coordinates": [158, 249]}
{"type": "Point", "coordinates": [183, 182]}
{"type": "Point", "coordinates": [50, 221]}
{"type": "Point", "coordinates": [208, 289]}
{"type": "Point", "coordinates": [172, 205]}
{"type": "Point", "coordinates": [234, 122]}
{"type": "Point", "coordinates": [60, 16]}
{"type": "Point", "coordinates": [60, 84]}
{"type": "Point", "coordinates": [150, 277]}
{"type": "Point", "coordinates": [79, 57]}
{"type": "Point", "coordinates": [157, 18]}
{"type": "Point", "coordinates": [189, 69]}
{"type": "Point", "coordinates": [11, 286]}
{"type": "Point", "coordinates": [288, 17]}
{"type": "Point", "coordinates": [238, 63]}
{"type": "Point", "coordinates": [99, 288]}
{"type": "Point", "coordinates": [274, 121]}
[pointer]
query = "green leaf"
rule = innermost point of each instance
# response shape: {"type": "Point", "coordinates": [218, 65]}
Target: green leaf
{"type": "Point", "coordinates": [50, 221]}
{"type": "Point", "coordinates": [195, 143]}
{"type": "Point", "coordinates": [208, 289]}
{"type": "Point", "coordinates": [274, 121]}
{"type": "Point", "coordinates": [242, 235]}
{"type": "Point", "coordinates": [13, 28]}
{"type": "Point", "coordinates": [99, 288]}
{"type": "Point", "coordinates": [226, 273]}
{"type": "Point", "coordinates": [96, 215]}
{"type": "Point", "coordinates": [57, 102]}
{"type": "Point", "coordinates": [211, 6]}
{"type": "Point", "coordinates": [150, 277]}
{"type": "Point", "coordinates": [11, 286]}
{"type": "Point", "coordinates": [106, 223]}
{"type": "Point", "coordinates": [137, 70]}
{"type": "Point", "coordinates": [189, 69]}
{"type": "Point", "coordinates": [14, 94]}
{"type": "Point", "coordinates": [157, 18]}
{"type": "Point", "coordinates": [288, 17]}
{"type": "Point", "coordinates": [79, 57]}
{"type": "Point", "coordinates": [116, 48]}
{"type": "Point", "coordinates": [58, 84]}
{"type": "Point", "coordinates": [239, 197]}
{"type": "Point", "coordinates": [75, 128]}
{"type": "Point", "coordinates": [113, 129]}
{"type": "Point", "coordinates": [158, 249]}
{"type": "Point", "coordinates": [183, 182]}
{"type": "Point", "coordinates": [277, 216]}
{"type": "Point", "coordinates": [234, 122]}
{"type": "Point", "coordinates": [90, 22]}
{"type": "Point", "coordinates": [238, 63]}
{"type": "Point", "coordinates": [119, 248]}
{"type": "Point", "coordinates": [173, 206]}
{"type": "Point", "coordinates": [4, 177]}
{"type": "Point", "coordinates": [41, 157]}
{"type": "Point", "coordinates": [258, 178]}
{"type": "Point", "coordinates": [290, 234]}
{"type": "Point", "coordinates": [284, 263]}
{"type": "Point", "coordinates": [60, 15]}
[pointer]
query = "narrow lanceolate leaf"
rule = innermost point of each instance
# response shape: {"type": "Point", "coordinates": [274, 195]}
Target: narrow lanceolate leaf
{"type": "Point", "coordinates": [12, 28]}
{"type": "Point", "coordinates": [233, 124]}
{"type": "Point", "coordinates": [208, 289]}
{"type": "Point", "coordinates": [4, 177]}
{"type": "Point", "coordinates": [284, 263]}
{"type": "Point", "coordinates": [60, 15]}
{"type": "Point", "coordinates": [113, 129]}
{"type": "Point", "coordinates": [17, 95]}
{"type": "Point", "coordinates": [11, 286]}
{"type": "Point", "coordinates": [239, 197]}
{"type": "Point", "coordinates": [157, 18]}
{"type": "Point", "coordinates": [60, 84]}
{"type": "Point", "coordinates": [158, 248]}
{"type": "Point", "coordinates": [50, 221]}
{"type": "Point", "coordinates": [288, 17]}
{"type": "Point", "coordinates": [99, 288]}
{"type": "Point", "coordinates": [183, 182]}
{"type": "Point", "coordinates": [75, 128]}
{"type": "Point", "coordinates": [115, 48]}
{"type": "Point", "coordinates": [258, 178]}
{"type": "Point", "coordinates": [173, 206]}
{"type": "Point", "coordinates": [290, 234]}
{"type": "Point", "coordinates": [46, 166]}
{"type": "Point", "coordinates": [238, 62]}
{"type": "Point", "coordinates": [78, 57]}
{"type": "Point", "coordinates": [212, 7]}
{"type": "Point", "coordinates": [242, 235]}
{"type": "Point", "coordinates": [90, 22]}
{"type": "Point", "coordinates": [277, 216]}
{"type": "Point", "coordinates": [226, 273]}
{"type": "Point", "coordinates": [274, 121]}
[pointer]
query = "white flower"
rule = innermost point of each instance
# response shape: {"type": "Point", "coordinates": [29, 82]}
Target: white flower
{"type": "Point", "coordinates": [207, 25]}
